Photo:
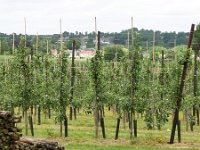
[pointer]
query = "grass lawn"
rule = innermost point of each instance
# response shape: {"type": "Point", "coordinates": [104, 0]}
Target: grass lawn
{"type": "Point", "coordinates": [118, 147]}
{"type": "Point", "coordinates": [81, 134]}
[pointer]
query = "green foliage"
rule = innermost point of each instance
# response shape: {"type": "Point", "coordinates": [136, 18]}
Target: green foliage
{"type": "Point", "coordinates": [96, 67]}
{"type": "Point", "coordinates": [63, 95]}
{"type": "Point", "coordinates": [90, 40]}
{"type": "Point", "coordinates": [135, 68]}
{"type": "Point", "coordinates": [126, 82]}
{"type": "Point", "coordinates": [196, 45]}
{"type": "Point", "coordinates": [110, 52]}
{"type": "Point", "coordinates": [165, 39]}
{"type": "Point", "coordinates": [23, 62]}
{"type": "Point", "coordinates": [68, 44]}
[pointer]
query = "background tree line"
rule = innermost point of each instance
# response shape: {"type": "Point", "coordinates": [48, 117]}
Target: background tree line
{"type": "Point", "coordinates": [87, 40]}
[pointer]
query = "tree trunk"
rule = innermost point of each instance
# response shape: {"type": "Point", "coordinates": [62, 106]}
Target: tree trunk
{"type": "Point", "coordinates": [124, 120]}
{"type": "Point", "coordinates": [66, 126]}
{"type": "Point", "coordinates": [135, 128]}
{"type": "Point", "coordinates": [26, 122]}
{"type": "Point", "coordinates": [35, 113]}
{"type": "Point", "coordinates": [31, 125]}
{"type": "Point", "coordinates": [49, 113]}
{"type": "Point", "coordinates": [96, 120]}
{"type": "Point", "coordinates": [131, 125]}
{"type": "Point", "coordinates": [102, 124]}
{"type": "Point", "coordinates": [198, 117]}
{"type": "Point", "coordinates": [117, 129]}
{"type": "Point", "coordinates": [179, 131]}
{"type": "Point", "coordinates": [60, 128]}
{"type": "Point", "coordinates": [39, 115]}
{"type": "Point", "coordinates": [74, 113]}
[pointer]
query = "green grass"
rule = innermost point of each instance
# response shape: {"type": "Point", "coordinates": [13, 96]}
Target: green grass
{"type": "Point", "coordinates": [81, 134]}
{"type": "Point", "coordinates": [116, 147]}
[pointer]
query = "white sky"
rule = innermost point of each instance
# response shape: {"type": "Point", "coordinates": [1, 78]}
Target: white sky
{"type": "Point", "coordinates": [112, 15]}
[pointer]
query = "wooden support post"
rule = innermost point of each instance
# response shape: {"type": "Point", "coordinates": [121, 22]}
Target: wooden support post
{"type": "Point", "coordinates": [96, 104]}
{"type": "Point", "coordinates": [13, 44]}
{"type": "Point", "coordinates": [162, 72]}
{"type": "Point", "coordinates": [47, 47]}
{"type": "Point", "coordinates": [61, 37]}
{"type": "Point", "coordinates": [99, 41]}
{"type": "Point", "coordinates": [37, 43]}
{"type": "Point", "coordinates": [72, 79]}
{"type": "Point", "coordinates": [175, 52]}
{"type": "Point", "coordinates": [153, 111]}
{"type": "Point", "coordinates": [153, 48]}
{"type": "Point", "coordinates": [132, 32]}
{"type": "Point", "coordinates": [128, 41]}
{"type": "Point", "coordinates": [25, 31]}
{"type": "Point", "coordinates": [0, 46]}
{"type": "Point", "coordinates": [195, 80]}
{"type": "Point", "coordinates": [182, 84]}
{"type": "Point", "coordinates": [96, 40]}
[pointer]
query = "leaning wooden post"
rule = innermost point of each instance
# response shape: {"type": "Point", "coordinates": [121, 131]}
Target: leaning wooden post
{"type": "Point", "coordinates": [180, 92]}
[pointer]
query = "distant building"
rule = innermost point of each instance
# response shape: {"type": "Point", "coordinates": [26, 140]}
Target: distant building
{"type": "Point", "coordinates": [82, 54]}
{"type": "Point", "coordinates": [86, 53]}
{"type": "Point", "coordinates": [104, 41]}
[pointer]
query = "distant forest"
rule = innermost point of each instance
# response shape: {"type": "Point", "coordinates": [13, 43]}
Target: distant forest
{"type": "Point", "coordinates": [87, 40]}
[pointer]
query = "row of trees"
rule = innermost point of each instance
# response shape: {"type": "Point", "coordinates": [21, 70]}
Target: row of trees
{"type": "Point", "coordinates": [134, 84]}
{"type": "Point", "coordinates": [164, 39]}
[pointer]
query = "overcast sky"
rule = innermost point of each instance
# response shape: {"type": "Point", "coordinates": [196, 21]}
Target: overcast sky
{"type": "Point", "coordinates": [112, 15]}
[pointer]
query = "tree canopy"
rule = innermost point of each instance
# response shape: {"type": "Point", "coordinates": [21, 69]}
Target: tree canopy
{"type": "Point", "coordinates": [110, 52]}
{"type": "Point", "coordinates": [68, 44]}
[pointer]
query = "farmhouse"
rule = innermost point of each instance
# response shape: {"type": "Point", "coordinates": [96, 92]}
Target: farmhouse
{"type": "Point", "coordinates": [82, 54]}
{"type": "Point", "coordinates": [86, 53]}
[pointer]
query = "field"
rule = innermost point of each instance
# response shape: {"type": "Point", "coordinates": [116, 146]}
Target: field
{"type": "Point", "coordinates": [81, 135]}
{"type": "Point", "coordinates": [133, 88]}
